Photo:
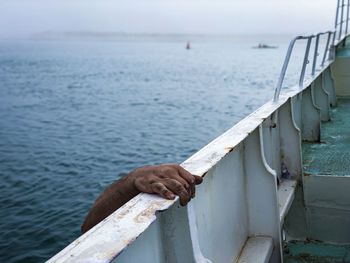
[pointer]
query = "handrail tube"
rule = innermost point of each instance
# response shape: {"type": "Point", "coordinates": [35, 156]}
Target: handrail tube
{"type": "Point", "coordinates": [285, 65]}
{"type": "Point", "coordinates": [315, 55]}
{"type": "Point", "coordinates": [327, 47]}
{"type": "Point", "coordinates": [284, 69]}
{"type": "Point", "coordinates": [347, 18]}
{"type": "Point", "coordinates": [329, 32]}
{"type": "Point", "coordinates": [334, 36]}
{"type": "Point", "coordinates": [305, 62]}
{"type": "Point", "coordinates": [336, 22]}
{"type": "Point", "coordinates": [341, 20]}
{"type": "Point", "coordinates": [289, 53]}
{"type": "Point", "coordinates": [336, 15]}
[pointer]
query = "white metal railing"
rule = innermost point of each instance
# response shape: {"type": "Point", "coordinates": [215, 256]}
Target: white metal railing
{"type": "Point", "coordinates": [341, 20]}
{"type": "Point", "coordinates": [309, 39]}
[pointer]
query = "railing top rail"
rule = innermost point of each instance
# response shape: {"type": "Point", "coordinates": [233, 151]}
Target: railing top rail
{"type": "Point", "coordinates": [325, 32]}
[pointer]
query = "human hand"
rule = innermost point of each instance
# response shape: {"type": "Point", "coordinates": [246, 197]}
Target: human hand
{"type": "Point", "coordinates": [167, 180]}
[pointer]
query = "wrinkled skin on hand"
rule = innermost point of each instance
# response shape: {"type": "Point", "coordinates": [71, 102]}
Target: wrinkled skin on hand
{"type": "Point", "coordinates": [166, 180]}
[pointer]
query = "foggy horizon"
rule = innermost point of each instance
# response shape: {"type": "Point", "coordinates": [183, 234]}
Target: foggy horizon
{"type": "Point", "coordinates": [122, 33]}
{"type": "Point", "coordinates": [20, 19]}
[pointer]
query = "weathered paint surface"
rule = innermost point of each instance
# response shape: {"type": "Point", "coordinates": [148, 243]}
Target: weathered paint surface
{"type": "Point", "coordinates": [340, 71]}
{"type": "Point", "coordinates": [290, 139]}
{"type": "Point", "coordinates": [321, 98]}
{"type": "Point", "coordinates": [286, 192]}
{"type": "Point", "coordinates": [311, 118]}
{"type": "Point", "coordinates": [257, 249]}
{"type": "Point", "coordinates": [328, 84]}
{"type": "Point", "coordinates": [103, 242]}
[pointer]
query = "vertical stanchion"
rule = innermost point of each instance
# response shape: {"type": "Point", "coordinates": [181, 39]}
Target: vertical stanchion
{"type": "Point", "coordinates": [315, 55]}
{"type": "Point", "coordinates": [347, 18]}
{"type": "Point", "coordinates": [336, 23]}
{"type": "Point", "coordinates": [305, 62]}
{"type": "Point", "coordinates": [326, 48]}
{"type": "Point", "coordinates": [283, 70]}
{"type": "Point", "coordinates": [341, 20]}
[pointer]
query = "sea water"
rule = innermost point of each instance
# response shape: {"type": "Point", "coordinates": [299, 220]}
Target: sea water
{"type": "Point", "coordinates": [77, 114]}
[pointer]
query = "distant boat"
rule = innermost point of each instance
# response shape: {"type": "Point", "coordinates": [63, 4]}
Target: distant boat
{"type": "Point", "coordinates": [188, 45]}
{"type": "Point", "coordinates": [264, 46]}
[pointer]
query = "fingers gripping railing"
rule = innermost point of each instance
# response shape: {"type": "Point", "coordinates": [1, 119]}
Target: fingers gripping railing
{"type": "Point", "coordinates": [305, 60]}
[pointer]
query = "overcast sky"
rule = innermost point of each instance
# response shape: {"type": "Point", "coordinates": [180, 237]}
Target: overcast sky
{"type": "Point", "coordinates": [22, 18]}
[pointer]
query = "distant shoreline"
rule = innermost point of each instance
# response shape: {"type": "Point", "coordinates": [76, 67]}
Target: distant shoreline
{"type": "Point", "coordinates": [157, 37]}
{"type": "Point", "coordinates": [52, 35]}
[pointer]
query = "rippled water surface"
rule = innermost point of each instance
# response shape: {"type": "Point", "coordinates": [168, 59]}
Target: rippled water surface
{"type": "Point", "coordinates": [76, 115]}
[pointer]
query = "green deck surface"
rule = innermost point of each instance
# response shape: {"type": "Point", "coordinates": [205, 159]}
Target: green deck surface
{"type": "Point", "coordinates": [315, 252]}
{"type": "Point", "coordinates": [332, 155]}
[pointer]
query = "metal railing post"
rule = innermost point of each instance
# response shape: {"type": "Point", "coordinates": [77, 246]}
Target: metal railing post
{"type": "Point", "coordinates": [305, 62]}
{"type": "Point", "coordinates": [347, 18]}
{"type": "Point", "coordinates": [326, 48]}
{"type": "Point", "coordinates": [331, 53]}
{"type": "Point", "coordinates": [283, 70]}
{"type": "Point", "coordinates": [315, 55]}
{"type": "Point", "coordinates": [336, 23]}
{"type": "Point", "coordinates": [341, 20]}
{"type": "Point", "coordinates": [336, 18]}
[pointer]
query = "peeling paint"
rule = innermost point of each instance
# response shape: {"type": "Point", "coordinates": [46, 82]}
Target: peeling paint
{"type": "Point", "coordinates": [149, 212]}
{"type": "Point", "coordinates": [229, 149]}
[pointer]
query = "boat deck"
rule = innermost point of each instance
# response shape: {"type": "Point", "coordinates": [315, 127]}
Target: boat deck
{"type": "Point", "coordinates": [331, 156]}
{"type": "Point", "coordinates": [316, 252]}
